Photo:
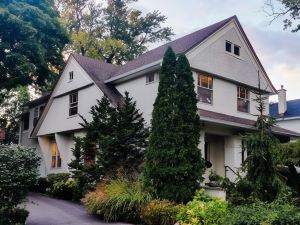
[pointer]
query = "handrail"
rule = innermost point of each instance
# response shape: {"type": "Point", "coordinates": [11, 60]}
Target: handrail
{"type": "Point", "coordinates": [226, 169]}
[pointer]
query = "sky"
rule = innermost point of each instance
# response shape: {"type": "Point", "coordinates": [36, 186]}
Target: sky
{"type": "Point", "coordinates": [278, 49]}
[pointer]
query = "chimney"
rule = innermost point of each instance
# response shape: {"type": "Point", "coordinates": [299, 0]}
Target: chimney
{"type": "Point", "coordinates": [282, 107]}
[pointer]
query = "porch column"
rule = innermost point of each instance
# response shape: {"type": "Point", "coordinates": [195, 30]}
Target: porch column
{"type": "Point", "coordinates": [233, 155]}
{"type": "Point", "coordinates": [64, 144]}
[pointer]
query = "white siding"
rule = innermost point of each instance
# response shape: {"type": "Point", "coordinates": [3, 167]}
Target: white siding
{"type": "Point", "coordinates": [211, 57]}
{"type": "Point", "coordinates": [293, 125]}
{"type": "Point", "coordinates": [58, 119]}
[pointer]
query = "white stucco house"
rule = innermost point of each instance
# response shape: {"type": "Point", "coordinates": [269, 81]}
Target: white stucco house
{"type": "Point", "coordinates": [225, 68]}
{"type": "Point", "coordinates": [286, 113]}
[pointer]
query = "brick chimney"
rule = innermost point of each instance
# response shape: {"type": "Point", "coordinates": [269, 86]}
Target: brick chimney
{"type": "Point", "coordinates": [282, 105]}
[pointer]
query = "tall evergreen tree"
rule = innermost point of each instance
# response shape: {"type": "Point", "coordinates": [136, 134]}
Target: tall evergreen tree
{"type": "Point", "coordinates": [174, 165]}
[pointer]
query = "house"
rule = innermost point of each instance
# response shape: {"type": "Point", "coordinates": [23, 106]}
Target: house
{"type": "Point", "coordinates": [225, 69]}
{"type": "Point", "coordinates": [286, 113]}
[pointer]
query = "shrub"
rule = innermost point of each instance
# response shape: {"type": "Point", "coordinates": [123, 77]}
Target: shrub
{"type": "Point", "coordinates": [13, 217]}
{"type": "Point", "coordinates": [280, 212]}
{"type": "Point", "coordinates": [117, 200]}
{"type": "Point", "coordinates": [41, 186]}
{"type": "Point", "coordinates": [57, 177]}
{"type": "Point", "coordinates": [160, 212]}
{"type": "Point", "coordinates": [203, 210]}
{"type": "Point", "coordinates": [63, 189]}
{"type": "Point", "coordinates": [18, 171]}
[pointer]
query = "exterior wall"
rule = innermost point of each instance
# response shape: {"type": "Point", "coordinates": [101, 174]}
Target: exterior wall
{"type": "Point", "coordinates": [144, 94]}
{"type": "Point", "coordinates": [80, 78]}
{"type": "Point", "coordinates": [58, 119]}
{"type": "Point", "coordinates": [211, 57]}
{"type": "Point", "coordinates": [292, 124]}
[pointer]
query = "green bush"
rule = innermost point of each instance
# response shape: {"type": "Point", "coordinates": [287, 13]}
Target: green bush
{"type": "Point", "coordinates": [280, 212]}
{"type": "Point", "coordinates": [118, 200]}
{"type": "Point", "coordinates": [203, 210]}
{"type": "Point", "coordinates": [41, 186]}
{"type": "Point", "coordinates": [18, 172]}
{"type": "Point", "coordinates": [13, 217]}
{"type": "Point", "coordinates": [57, 177]}
{"type": "Point", "coordinates": [63, 189]}
{"type": "Point", "coordinates": [160, 212]}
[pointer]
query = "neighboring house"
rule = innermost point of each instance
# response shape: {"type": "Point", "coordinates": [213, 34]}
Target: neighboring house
{"type": "Point", "coordinates": [225, 69]}
{"type": "Point", "coordinates": [286, 113]}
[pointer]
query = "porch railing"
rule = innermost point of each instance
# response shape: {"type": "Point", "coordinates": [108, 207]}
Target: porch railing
{"type": "Point", "coordinates": [228, 168]}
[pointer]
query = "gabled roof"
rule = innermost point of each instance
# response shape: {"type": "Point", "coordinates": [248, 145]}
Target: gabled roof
{"type": "Point", "coordinates": [293, 109]}
{"type": "Point", "coordinates": [99, 72]}
{"type": "Point", "coordinates": [37, 101]}
{"type": "Point", "coordinates": [180, 45]}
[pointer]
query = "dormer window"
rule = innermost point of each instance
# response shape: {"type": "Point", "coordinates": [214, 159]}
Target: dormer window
{"type": "Point", "coordinates": [71, 75]}
{"type": "Point", "coordinates": [228, 46]}
{"type": "Point", "coordinates": [150, 78]}
{"type": "Point", "coordinates": [237, 50]}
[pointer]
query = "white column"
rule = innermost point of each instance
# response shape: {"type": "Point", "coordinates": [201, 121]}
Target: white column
{"type": "Point", "coordinates": [44, 147]}
{"type": "Point", "coordinates": [233, 155]}
{"type": "Point", "coordinates": [65, 144]}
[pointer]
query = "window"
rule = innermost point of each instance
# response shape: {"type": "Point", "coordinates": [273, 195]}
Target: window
{"type": "Point", "coordinates": [35, 115]}
{"type": "Point", "coordinates": [207, 151]}
{"type": "Point", "coordinates": [243, 102]}
{"type": "Point", "coordinates": [205, 89]}
{"type": "Point", "coordinates": [150, 78]}
{"type": "Point", "coordinates": [237, 50]}
{"type": "Point", "coordinates": [26, 121]}
{"type": "Point", "coordinates": [71, 75]}
{"type": "Point", "coordinates": [228, 46]}
{"type": "Point", "coordinates": [56, 158]}
{"type": "Point", "coordinates": [73, 106]}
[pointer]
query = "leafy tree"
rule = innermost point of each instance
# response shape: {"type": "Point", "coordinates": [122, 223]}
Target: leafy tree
{"type": "Point", "coordinates": [174, 166]}
{"type": "Point", "coordinates": [290, 10]}
{"type": "Point", "coordinates": [10, 111]}
{"type": "Point", "coordinates": [111, 31]}
{"type": "Point", "coordinates": [31, 43]}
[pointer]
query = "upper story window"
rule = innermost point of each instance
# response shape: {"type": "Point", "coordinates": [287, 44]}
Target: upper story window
{"type": "Point", "coordinates": [71, 75]}
{"type": "Point", "coordinates": [55, 157]}
{"type": "Point", "coordinates": [228, 46]}
{"type": "Point", "coordinates": [73, 104]}
{"type": "Point", "coordinates": [243, 99]}
{"type": "Point", "coordinates": [236, 50]}
{"type": "Point", "coordinates": [232, 48]}
{"type": "Point", "coordinates": [150, 78]}
{"type": "Point", "coordinates": [205, 89]}
{"type": "Point", "coordinates": [26, 121]}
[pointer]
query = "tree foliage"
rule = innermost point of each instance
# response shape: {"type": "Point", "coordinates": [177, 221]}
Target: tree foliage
{"type": "Point", "coordinates": [174, 165]}
{"type": "Point", "coordinates": [110, 30]}
{"type": "Point", "coordinates": [259, 165]}
{"type": "Point", "coordinates": [290, 11]}
{"type": "Point", "coordinates": [18, 171]}
{"type": "Point", "coordinates": [31, 43]}
{"type": "Point", "coordinates": [10, 112]}
{"type": "Point", "coordinates": [115, 141]}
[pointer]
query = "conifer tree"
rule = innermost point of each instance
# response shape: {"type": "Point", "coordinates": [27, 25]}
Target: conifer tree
{"type": "Point", "coordinates": [174, 165]}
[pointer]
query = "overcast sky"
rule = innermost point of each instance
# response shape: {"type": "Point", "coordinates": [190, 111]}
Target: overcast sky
{"type": "Point", "coordinates": [278, 49]}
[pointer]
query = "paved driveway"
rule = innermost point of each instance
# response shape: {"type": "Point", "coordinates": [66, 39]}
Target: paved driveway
{"type": "Point", "coordinates": [48, 211]}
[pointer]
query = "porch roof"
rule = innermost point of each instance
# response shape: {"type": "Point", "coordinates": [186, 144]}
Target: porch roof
{"type": "Point", "coordinates": [210, 116]}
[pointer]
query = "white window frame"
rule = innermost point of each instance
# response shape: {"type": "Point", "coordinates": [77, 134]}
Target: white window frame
{"type": "Point", "coordinates": [231, 44]}
{"type": "Point", "coordinates": [55, 158]}
{"type": "Point", "coordinates": [210, 87]}
{"type": "Point", "coordinates": [73, 103]}
{"type": "Point", "coordinates": [246, 98]}
{"type": "Point", "coordinates": [71, 75]}
{"type": "Point", "coordinates": [239, 47]}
